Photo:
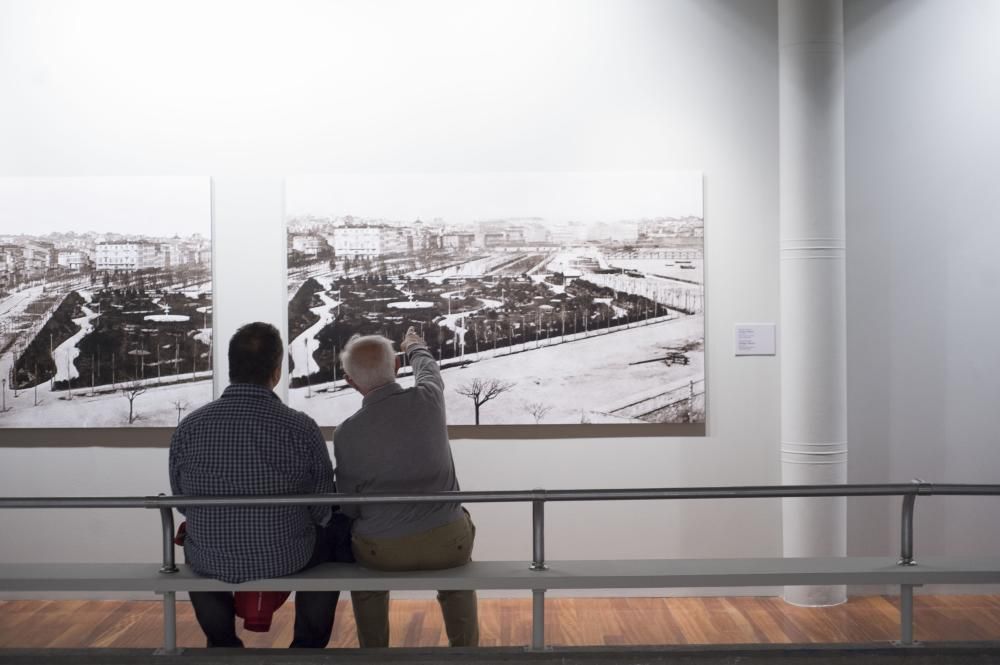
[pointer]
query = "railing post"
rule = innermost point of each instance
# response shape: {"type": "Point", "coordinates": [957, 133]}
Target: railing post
{"type": "Point", "coordinates": [906, 559]}
{"type": "Point", "coordinates": [169, 597]}
{"type": "Point", "coordinates": [906, 614]}
{"type": "Point", "coordinates": [537, 620]}
{"type": "Point", "coordinates": [169, 624]}
{"type": "Point", "coordinates": [167, 524]}
{"type": "Point", "coordinates": [906, 531]}
{"type": "Point", "coordinates": [538, 564]}
{"type": "Point", "coordinates": [538, 535]}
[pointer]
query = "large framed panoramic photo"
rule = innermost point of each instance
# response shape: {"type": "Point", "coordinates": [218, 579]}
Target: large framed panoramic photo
{"type": "Point", "coordinates": [105, 301]}
{"type": "Point", "coordinates": [571, 300]}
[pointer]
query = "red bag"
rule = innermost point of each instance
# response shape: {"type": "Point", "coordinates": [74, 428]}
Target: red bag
{"type": "Point", "coordinates": [256, 608]}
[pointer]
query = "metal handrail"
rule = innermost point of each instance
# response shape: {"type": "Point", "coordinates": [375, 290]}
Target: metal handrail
{"type": "Point", "coordinates": [537, 498]}
{"type": "Point", "coordinates": [915, 488]}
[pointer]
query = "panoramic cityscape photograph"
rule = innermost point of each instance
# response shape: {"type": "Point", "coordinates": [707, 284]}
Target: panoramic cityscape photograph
{"type": "Point", "coordinates": [105, 301]}
{"type": "Point", "coordinates": [547, 298]}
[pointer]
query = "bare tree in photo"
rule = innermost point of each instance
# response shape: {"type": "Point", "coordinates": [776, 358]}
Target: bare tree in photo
{"type": "Point", "coordinates": [537, 410]}
{"type": "Point", "coordinates": [181, 406]}
{"type": "Point", "coordinates": [483, 390]}
{"type": "Point", "coordinates": [132, 390]}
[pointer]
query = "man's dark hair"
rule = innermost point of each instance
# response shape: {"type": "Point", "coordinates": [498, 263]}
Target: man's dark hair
{"type": "Point", "coordinates": [254, 353]}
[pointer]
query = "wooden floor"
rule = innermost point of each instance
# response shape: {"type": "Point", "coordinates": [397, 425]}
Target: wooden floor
{"type": "Point", "coordinates": [569, 622]}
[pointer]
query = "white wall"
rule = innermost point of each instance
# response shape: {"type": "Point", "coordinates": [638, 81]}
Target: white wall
{"type": "Point", "coordinates": [260, 90]}
{"type": "Point", "coordinates": [122, 88]}
{"type": "Point", "coordinates": [923, 233]}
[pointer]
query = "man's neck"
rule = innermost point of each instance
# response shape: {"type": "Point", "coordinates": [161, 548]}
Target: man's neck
{"type": "Point", "coordinates": [377, 388]}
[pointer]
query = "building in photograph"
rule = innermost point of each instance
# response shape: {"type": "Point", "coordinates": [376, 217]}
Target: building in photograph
{"type": "Point", "coordinates": [310, 244]}
{"type": "Point", "coordinates": [430, 239]}
{"type": "Point", "coordinates": [358, 241]}
{"type": "Point", "coordinates": [514, 235]}
{"type": "Point", "coordinates": [128, 255]}
{"type": "Point", "coordinates": [567, 234]}
{"type": "Point", "coordinates": [619, 232]}
{"type": "Point", "coordinates": [83, 243]}
{"type": "Point", "coordinates": [11, 256]}
{"type": "Point", "coordinates": [172, 252]}
{"type": "Point", "coordinates": [494, 239]}
{"type": "Point", "coordinates": [38, 255]}
{"type": "Point", "coordinates": [368, 241]}
{"type": "Point", "coordinates": [11, 263]}
{"type": "Point", "coordinates": [667, 229]}
{"type": "Point", "coordinates": [458, 241]}
{"type": "Point", "coordinates": [536, 234]}
{"type": "Point", "coordinates": [73, 259]}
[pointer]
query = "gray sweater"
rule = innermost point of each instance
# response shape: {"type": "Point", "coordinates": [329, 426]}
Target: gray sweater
{"type": "Point", "coordinates": [398, 442]}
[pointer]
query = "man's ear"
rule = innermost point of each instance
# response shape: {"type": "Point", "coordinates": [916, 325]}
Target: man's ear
{"type": "Point", "coordinates": [276, 377]}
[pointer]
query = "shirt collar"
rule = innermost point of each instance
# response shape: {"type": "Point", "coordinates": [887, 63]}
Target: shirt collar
{"type": "Point", "coordinates": [251, 390]}
{"type": "Point", "coordinates": [381, 393]}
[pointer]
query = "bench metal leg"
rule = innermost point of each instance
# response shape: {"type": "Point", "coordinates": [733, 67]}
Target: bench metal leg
{"type": "Point", "coordinates": [169, 624]}
{"type": "Point", "coordinates": [537, 620]}
{"type": "Point", "coordinates": [906, 614]}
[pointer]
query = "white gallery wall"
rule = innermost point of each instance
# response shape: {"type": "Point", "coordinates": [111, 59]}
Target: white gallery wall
{"type": "Point", "coordinates": [923, 275]}
{"type": "Point", "coordinates": [249, 92]}
{"type": "Point", "coordinates": [258, 90]}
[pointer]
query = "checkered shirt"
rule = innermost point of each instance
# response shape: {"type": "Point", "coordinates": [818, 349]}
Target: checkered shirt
{"type": "Point", "coordinates": [248, 443]}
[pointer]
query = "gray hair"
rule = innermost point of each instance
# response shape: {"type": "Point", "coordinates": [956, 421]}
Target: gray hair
{"type": "Point", "coordinates": [370, 361]}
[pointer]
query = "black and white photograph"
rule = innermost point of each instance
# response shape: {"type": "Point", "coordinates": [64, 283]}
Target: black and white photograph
{"type": "Point", "coordinates": [546, 298]}
{"type": "Point", "coordinates": [105, 300]}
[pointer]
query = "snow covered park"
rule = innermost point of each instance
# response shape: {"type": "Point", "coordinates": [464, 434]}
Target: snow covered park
{"type": "Point", "coordinates": [586, 380]}
{"type": "Point", "coordinates": [150, 385]}
{"type": "Point", "coordinates": [157, 406]}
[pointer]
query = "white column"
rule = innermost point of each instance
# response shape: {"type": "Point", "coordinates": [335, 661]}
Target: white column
{"type": "Point", "coordinates": [813, 328]}
{"type": "Point", "coordinates": [249, 263]}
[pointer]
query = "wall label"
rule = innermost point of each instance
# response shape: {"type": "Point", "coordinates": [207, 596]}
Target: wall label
{"type": "Point", "coordinates": [755, 339]}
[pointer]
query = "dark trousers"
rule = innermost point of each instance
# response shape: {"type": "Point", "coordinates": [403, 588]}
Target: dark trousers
{"type": "Point", "coordinates": [314, 610]}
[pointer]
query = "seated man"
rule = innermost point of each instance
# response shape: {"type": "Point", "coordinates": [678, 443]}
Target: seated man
{"type": "Point", "coordinates": [248, 443]}
{"type": "Point", "coordinates": [398, 442]}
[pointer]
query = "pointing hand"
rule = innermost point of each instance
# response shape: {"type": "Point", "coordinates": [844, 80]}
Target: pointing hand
{"type": "Point", "coordinates": [411, 339]}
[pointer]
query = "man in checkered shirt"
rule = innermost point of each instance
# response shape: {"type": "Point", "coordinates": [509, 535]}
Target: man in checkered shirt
{"type": "Point", "coordinates": [248, 443]}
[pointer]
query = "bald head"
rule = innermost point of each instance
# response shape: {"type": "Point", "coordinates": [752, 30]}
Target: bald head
{"type": "Point", "coordinates": [369, 361]}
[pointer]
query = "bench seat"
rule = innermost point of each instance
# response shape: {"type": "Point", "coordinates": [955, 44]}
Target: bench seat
{"type": "Point", "coordinates": [643, 573]}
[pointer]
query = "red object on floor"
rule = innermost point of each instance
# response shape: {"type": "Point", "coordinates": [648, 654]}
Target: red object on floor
{"type": "Point", "coordinates": [256, 608]}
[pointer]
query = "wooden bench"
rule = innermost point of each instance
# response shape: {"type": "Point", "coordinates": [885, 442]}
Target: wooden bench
{"type": "Point", "coordinates": [517, 575]}
{"type": "Point", "coordinates": [510, 575]}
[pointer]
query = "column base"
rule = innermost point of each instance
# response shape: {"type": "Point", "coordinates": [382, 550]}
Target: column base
{"type": "Point", "coordinates": [815, 596]}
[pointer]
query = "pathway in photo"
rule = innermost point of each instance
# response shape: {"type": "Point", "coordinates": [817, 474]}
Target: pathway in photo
{"type": "Point", "coordinates": [66, 353]}
{"type": "Point", "coordinates": [303, 346]}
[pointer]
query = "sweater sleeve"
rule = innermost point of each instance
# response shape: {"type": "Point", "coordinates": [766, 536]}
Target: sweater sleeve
{"type": "Point", "coordinates": [426, 373]}
{"type": "Point", "coordinates": [345, 481]}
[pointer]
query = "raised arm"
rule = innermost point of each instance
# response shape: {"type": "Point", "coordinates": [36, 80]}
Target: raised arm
{"type": "Point", "coordinates": [426, 373]}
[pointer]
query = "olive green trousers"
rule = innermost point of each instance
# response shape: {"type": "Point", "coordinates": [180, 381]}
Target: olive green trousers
{"type": "Point", "coordinates": [446, 546]}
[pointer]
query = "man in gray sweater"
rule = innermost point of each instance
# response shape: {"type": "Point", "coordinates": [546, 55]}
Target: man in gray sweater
{"type": "Point", "coordinates": [398, 442]}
